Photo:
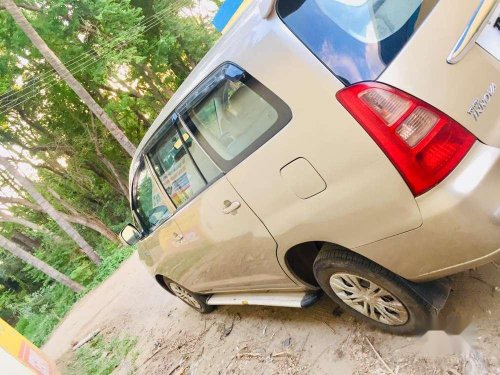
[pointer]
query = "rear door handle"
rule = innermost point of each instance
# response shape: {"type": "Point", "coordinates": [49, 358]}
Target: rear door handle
{"type": "Point", "coordinates": [230, 207]}
{"type": "Point", "coordinates": [472, 30]}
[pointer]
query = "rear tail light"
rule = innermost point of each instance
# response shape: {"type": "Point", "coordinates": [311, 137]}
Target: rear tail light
{"type": "Point", "coordinates": [423, 143]}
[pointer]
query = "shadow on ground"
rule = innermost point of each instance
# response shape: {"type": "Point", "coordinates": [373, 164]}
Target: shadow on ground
{"type": "Point", "coordinates": [174, 339]}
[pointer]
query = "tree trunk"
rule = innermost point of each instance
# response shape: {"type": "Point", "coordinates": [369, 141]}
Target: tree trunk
{"type": "Point", "coordinates": [22, 159]}
{"type": "Point", "coordinates": [78, 218]}
{"type": "Point", "coordinates": [111, 168]}
{"type": "Point", "coordinates": [29, 224]}
{"type": "Point", "coordinates": [32, 123]}
{"type": "Point", "coordinates": [10, 182]}
{"type": "Point", "coordinates": [40, 265]}
{"type": "Point", "coordinates": [158, 95]}
{"type": "Point", "coordinates": [94, 224]}
{"type": "Point", "coordinates": [25, 241]}
{"type": "Point", "coordinates": [22, 202]}
{"type": "Point", "coordinates": [65, 74]}
{"type": "Point", "coordinates": [23, 222]}
{"type": "Point", "coordinates": [51, 211]}
{"type": "Point", "coordinates": [114, 172]}
{"type": "Point", "coordinates": [34, 8]}
{"type": "Point", "coordinates": [88, 221]}
{"type": "Point", "coordinates": [142, 119]}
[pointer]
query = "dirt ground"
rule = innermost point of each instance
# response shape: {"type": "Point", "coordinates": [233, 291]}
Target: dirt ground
{"type": "Point", "coordinates": [174, 339]}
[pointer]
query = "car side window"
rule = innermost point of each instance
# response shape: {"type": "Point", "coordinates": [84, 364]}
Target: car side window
{"type": "Point", "coordinates": [231, 114]}
{"type": "Point", "coordinates": [182, 167]}
{"type": "Point", "coordinates": [147, 200]}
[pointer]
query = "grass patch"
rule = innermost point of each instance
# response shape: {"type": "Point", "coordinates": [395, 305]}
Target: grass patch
{"type": "Point", "coordinates": [108, 266]}
{"type": "Point", "coordinates": [42, 310]}
{"type": "Point", "coordinates": [102, 357]}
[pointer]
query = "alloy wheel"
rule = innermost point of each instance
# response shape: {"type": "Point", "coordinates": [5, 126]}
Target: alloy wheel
{"type": "Point", "coordinates": [184, 295]}
{"type": "Point", "coordinates": [369, 299]}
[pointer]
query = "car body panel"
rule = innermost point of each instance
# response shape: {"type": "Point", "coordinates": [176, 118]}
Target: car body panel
{"type": "Point", "coordinates": [422, 70]}
{"type": "Point", "coordinates": [152, 248]}
{"type": "Point", "coordinates": [366, 205]}
{"type": "Point", "coordinates": [461, 226]}
{"type": "Point", "coordinates": [222, 252]}
{"type": "Point", "coordinates": [365, 199]}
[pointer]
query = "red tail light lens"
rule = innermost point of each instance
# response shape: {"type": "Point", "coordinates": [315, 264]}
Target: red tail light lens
{"type": "Point", "coordinates": [423, 143]}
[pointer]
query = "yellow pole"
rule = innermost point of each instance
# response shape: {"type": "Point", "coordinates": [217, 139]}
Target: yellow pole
{"type": "Point", "coordinates": [20, 354]}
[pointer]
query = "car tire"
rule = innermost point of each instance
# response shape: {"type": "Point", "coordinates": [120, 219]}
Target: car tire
{"type": "Point", "coordinates": [371, 293]}
{"type": "Point", "coordinates": [193, 300]}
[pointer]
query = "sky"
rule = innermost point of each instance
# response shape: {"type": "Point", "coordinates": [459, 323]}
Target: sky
{"type": "Point", "coordinates": [204, 8]}
{"type": "Point", "coordinates": [24, 168]}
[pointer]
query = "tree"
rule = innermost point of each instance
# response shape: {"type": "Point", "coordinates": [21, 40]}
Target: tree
{"type": "Point", "coordinates": [51, 211]}
{"type": "Point", "coordinates": [131, 56]}
{"type": "Point", "coordinates": [51, 272]}
{"type": "Point", "coordinates": [74, 217]}
{"type": "Point", "coordinates": [25, 223]}
{"type": "Point", "coordinates": [65, 74]}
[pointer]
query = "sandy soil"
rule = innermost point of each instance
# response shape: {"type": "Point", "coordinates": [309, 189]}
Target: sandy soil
{"type": "Point", "coordinates": [174, 339]}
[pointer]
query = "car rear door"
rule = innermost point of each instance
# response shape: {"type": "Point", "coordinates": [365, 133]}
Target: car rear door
{"type": "Point", "coordinates": [222, 245]}
{"type": "Point", "coordinates": [463, 84]}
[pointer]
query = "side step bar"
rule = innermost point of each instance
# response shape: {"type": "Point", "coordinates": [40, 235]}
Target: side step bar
{"type": "Point", "coordinates": [282, 299]}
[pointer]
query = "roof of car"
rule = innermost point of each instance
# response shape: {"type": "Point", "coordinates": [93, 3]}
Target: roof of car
{"type": "Point", "coordinates": [210, 61]}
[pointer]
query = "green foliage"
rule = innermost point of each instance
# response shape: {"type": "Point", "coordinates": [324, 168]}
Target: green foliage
{"type": "Point", "coordinates": [101, 357]}
{"type": "Point", "coordinates": [15, 285]}
{"type": "Point", "coordinates": [44, 124]}
{"type": "Point", "coordinates": [7, 299]}
{"type": "Point", "coordinates": [42, 310]}
{"type": "Point", "coordinates": [109, 265]}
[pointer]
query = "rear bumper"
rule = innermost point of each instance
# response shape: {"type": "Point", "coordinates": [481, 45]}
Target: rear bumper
{"type": "Point", "coordinates": [460, 223]}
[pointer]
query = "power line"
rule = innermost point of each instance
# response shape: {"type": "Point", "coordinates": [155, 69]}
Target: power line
{"type": "Point", "coordinates": [78, 63]}
{"type": "Point", "coordinates": [29, 95]}
{"type": "Point", "coordinates": [110, 44]}
{"type": "Point", "coordinates": [79, 68]}
{"type": "Point", "coordinates": [29, 89]}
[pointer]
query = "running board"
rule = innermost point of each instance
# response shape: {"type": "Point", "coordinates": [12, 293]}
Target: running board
{"type": "Point", "coordinates": [282, 299]}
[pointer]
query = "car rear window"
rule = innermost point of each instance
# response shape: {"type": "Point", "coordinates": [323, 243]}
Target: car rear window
{"type": "Point", "coordinates": [355, 39]}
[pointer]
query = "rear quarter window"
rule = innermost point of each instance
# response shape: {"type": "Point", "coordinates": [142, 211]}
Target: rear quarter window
{"type": "Point", "coordinates": [232, 114]}
{"type": "Point", "coordinates": [355, 39]}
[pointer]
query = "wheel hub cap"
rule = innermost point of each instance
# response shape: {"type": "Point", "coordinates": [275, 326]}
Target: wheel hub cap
{"type": "Point", "coordinates": [369, 299]}
{"type": "Point", "coordinates": [184, 295]}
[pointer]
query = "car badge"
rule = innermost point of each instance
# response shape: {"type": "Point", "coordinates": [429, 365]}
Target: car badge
{"type": "Point", "coordinates": [479, 104]}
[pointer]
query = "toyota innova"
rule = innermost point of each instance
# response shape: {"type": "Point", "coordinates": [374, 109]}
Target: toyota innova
{"type": "Point", "coordinates": [344, 146]}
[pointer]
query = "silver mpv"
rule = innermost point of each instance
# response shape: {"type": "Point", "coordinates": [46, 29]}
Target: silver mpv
{"type": "Point", "coordinates": [328, 145]}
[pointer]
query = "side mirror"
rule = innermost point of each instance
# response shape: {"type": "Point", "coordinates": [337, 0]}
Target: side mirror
{"type": "Point", "coordinates": [130, 235]}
